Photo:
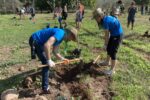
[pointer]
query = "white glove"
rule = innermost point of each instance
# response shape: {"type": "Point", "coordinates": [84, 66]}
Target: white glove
{"type": "Point", "coordinates": [50, 63]}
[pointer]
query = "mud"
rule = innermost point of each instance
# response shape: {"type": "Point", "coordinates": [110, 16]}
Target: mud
{"type": "Point", "coordinates": [66, 83]}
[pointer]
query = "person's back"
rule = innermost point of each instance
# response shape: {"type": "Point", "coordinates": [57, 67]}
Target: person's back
{"type": "Point", "coordinates": [131, 12]}
{"type": "Point", "coordinates": [42, 36]}
{"type": "Point", "coordinates": [81, 7]}
{"type": "Point", "coordinates": [32, 10]}
{"type": "Point", "coordinates": [59, 11]}
{"type": "Point", "coordinates": [112, 24]}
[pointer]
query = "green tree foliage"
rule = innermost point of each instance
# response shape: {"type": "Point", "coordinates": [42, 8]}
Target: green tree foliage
{"type": "Point", "coordinates": [88, 3]}
{"type": "Point", "coordinates": [49, 4]}
{"type": "Point", "coordinates": [140, 2]}
{"type": "Point", "coordinates": [42, 5]}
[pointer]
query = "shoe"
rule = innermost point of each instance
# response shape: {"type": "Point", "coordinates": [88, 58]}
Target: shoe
{"type": "Point", "coordinates": [47, 91]}
{"type": "Point", "coordinates": [109, 72]}
{"type": "Point", "coordinates": [104, 63]}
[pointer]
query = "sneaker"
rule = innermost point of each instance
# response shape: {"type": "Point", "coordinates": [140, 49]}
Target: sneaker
{"type": "Point", "coordinates": [47, 91]}
{"type": "Point", "coordinates": [104, 63]}
{"type": "Point", "coordinates": [109, 72]}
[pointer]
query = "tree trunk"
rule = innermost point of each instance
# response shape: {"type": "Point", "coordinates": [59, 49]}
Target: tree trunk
{"type": "Point", "coordinates": [13, 6]}
{"type": "Point", "coordinates": [4, 6]}
{"type": "Point", "coordinates": [53, 4]}
{"type": "Point", "coordinates": [33, 3]}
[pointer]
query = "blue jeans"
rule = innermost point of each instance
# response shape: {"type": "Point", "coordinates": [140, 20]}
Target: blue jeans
{"type": "Point", "coordinates": [39, 50]}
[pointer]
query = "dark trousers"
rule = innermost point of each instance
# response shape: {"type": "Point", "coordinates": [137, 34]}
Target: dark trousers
{"type": "Point", "coordinates": [38, 50]}
{"type": "Point", "coordinates": [113, 45]}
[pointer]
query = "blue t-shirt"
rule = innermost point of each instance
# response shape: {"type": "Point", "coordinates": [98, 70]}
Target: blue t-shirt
{"type": "Point", "coordinates": [43, 35]}
{"type": "Point", "coordinates": [112, 24]}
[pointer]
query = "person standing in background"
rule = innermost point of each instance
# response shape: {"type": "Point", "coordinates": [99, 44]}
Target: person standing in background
{"type": "Point", "coordinates": [131, 15]}
{"type": "Point", "coordinates": [64, 15]}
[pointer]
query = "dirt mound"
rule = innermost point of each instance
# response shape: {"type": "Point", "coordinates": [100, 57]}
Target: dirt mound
{"type": "Point", "coordinates": [83, 81]}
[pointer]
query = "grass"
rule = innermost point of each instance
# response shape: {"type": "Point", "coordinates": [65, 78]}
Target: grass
{"type": "Point", "coordinates": [132, 78]}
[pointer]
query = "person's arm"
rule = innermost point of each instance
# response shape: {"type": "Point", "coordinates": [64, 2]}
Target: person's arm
{"type": "Point", "coordinates": [106, 37]}
{"type": "Point", "coordinates": [106, 32]}
{"type": "Point", "coordinates": [135, 9]}
{"type": "Point", "coordinates": [128, 9]}
{"type": "Point", "coordinates": [56, 53]}
{"type": "Point", "coordinates": [47, 47]}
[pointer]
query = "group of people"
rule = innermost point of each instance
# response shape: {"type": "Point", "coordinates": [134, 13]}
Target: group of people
{"type": "Point", "coordinates": [144, 9]}
{"type": "Point", "coordinates": [46, 41]}
{"type": "Point", "coordinates": [23, 11]}
{"type": "Point", "coordinates": [62, 13]}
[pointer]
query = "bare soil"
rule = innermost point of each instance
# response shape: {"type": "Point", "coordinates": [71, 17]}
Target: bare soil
{"type": "Point", "coordinates": [5, 53]}
{"type": "Point", "coordinates": [66, 83]}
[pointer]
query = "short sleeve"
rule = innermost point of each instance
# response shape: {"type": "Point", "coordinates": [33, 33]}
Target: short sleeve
{"type": "Point", "coordinates": [59, 35]}
{"type": "Point", "coordinates": [106, 25]}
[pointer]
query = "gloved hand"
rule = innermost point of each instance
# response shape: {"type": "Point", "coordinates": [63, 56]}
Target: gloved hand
{"type": "Point", "coordinates": [51, 63]}
{"type": "Point", "coordinates": [66, 61]}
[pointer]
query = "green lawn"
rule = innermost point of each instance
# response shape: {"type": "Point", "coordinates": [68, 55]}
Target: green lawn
{"type": "Point", "coordinates": [132, 78]}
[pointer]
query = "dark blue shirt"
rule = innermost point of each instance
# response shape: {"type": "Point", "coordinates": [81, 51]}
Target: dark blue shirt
{"type": "Point", "coordinates": [131, 12]}
{"type": "Point", "coordinates": [43, 35]}
{"type": "Point", "coordinates": [112, 24]}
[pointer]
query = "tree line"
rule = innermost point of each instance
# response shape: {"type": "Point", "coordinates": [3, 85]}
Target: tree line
{"type": "Point", "coordinates": [48, 5]}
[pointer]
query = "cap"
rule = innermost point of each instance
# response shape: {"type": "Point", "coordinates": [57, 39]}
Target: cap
{"type": "Point", "coordinates": [73, 31]}
{"type": "Point", "coordinates": [115, 11]}
{"type": "Point", "coordinates": [98, 12]}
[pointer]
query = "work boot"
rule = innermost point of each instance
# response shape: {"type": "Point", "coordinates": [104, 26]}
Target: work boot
{"type": "Point", "coordinates": [105, 63]}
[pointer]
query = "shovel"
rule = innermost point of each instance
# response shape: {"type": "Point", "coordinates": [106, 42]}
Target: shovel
{"type": "Point", "coordinates": [62, 62]}
{"type": "Point", "coordinates": [94, 62]}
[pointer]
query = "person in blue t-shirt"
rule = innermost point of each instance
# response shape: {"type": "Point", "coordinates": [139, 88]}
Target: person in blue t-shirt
{"type": "Point", "coordinates": [45, 41]}
{"type": "Point", "coordinates": [113, 36]}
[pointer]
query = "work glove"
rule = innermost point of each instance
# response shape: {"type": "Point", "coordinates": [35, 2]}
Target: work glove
{"type": "Point", "coordinates": [66, 61]}
{"type": "Point", "coordinates": [51, 63]}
